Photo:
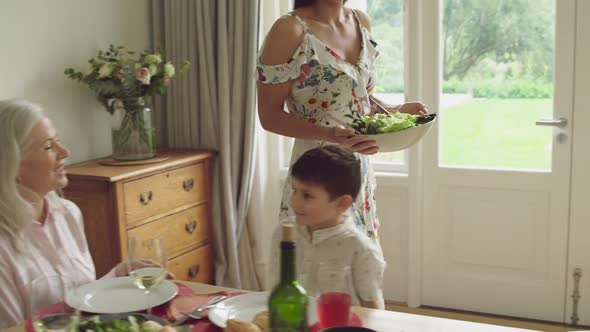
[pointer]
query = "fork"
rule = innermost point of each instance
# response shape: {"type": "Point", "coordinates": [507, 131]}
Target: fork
{"type": "Point", "coordinates": [196, 314]}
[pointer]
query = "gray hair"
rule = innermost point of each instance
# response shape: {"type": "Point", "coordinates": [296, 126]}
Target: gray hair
{"type": "Point", "coordinates": [17, 119]}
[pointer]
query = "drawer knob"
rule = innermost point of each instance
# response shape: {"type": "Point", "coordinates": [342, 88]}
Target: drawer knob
{"type": "Point", "coordinates": [190, 226]}
{"type": "Point", "coordinates": [193, 271]}
{"type": "Point", "coordinates": [188, 184]}
{"type": "Point", "coordinates": [145, 198]}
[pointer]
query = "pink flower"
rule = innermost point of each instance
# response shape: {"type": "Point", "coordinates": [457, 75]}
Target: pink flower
{"type": "Point", "coordinates": [334, 54]}
{"type": "Point", "coordinates": [143, 75]}
{"type": "Point", "coordinates": [305, 69]}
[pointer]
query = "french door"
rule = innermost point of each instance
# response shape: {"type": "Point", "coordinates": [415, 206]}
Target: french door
{"type": "Point", "coordinates": [496, 169]}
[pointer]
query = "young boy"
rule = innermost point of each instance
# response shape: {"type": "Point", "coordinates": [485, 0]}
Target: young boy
{"type": "Point", "coordinates": [326, 180]}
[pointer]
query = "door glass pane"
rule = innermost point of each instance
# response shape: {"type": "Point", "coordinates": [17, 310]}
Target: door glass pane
{"type": "Point", "coordinates": [387, 27]}
{"type": "Point", "coordinates": [497, 81]}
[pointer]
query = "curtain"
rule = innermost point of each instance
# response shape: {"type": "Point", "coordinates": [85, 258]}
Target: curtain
{"type": "Point", "coordinates": [267, 188]}
{"type": "Point", "coordinates": [212, 106]}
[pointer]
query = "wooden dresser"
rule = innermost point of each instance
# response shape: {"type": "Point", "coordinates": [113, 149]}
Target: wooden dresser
{"type": "Point", "coordinates": [170, 198]}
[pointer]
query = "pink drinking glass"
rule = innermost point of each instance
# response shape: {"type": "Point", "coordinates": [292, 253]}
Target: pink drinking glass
{"type": "Point", "coordinates": [333, 295]}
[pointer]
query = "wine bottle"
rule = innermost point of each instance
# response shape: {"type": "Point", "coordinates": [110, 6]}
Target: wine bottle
{"type": "Point", "coordinates": [288, 301]}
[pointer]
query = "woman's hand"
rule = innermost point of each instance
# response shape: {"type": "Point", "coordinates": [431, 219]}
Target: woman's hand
{"type": "Point", "coordinates": [357, 143]}
{"type": "Point", "coordinates": [413, 107]}
{"type": "Point", "coordinates": [122, 269]}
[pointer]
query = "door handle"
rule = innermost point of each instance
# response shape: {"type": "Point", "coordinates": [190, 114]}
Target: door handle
{"type": "Point", "coordinates": [561, 122]}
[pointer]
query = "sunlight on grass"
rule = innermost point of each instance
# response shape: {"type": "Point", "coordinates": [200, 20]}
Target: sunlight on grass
{"type": "Point", "coordinates": [497, 133]}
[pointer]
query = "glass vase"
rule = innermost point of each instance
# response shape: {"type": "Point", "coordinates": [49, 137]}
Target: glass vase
{"type": "Point", "coordinates": [131, 129]}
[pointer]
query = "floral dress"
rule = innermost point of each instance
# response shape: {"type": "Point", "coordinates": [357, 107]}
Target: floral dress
{"type": "Point", "coordinates": [325, 83]}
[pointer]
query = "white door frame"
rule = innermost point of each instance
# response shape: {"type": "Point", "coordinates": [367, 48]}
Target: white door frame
{"type": "Point", "coordinates": [423, 53]}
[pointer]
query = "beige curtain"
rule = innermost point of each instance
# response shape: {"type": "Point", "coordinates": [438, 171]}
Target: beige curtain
{"type": "Point", "coordinates": [213, 106]}
{"type": "Point", "coordinates": [267, 188]}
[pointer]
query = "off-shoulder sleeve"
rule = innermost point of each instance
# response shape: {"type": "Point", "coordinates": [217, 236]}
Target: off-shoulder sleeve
{"type": "Point", "coordinates": [276, 74]}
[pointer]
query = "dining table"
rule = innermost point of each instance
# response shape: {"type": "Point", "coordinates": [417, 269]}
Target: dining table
{"type": "Point", "coordinates": [376, 319]}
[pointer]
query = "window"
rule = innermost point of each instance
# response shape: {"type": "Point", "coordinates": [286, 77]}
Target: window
{"type": "Point", "coordinates": [497, 81]}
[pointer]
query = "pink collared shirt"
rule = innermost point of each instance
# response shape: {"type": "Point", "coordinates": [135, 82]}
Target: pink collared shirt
{"type": "Point", "coordinates": [61, 249]}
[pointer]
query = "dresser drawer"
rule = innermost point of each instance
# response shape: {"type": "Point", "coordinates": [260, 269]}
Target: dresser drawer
{"type": "Point", "coordinates": [164, 191]}
{"type": "Point", "coordinates": [195, 266]}
{"type": "Point", "coordinates": [182, 230]}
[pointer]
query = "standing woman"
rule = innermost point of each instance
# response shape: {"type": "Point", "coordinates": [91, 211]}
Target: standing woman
{"type": "Point", "coordinates": [319, 61]}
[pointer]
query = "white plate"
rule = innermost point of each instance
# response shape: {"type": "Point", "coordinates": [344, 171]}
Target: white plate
{"type": "Point", "coordinates": [401, 140]}
{"type": "Point", "coordinates": [246, 306]}
{"type": "Point", "coordinates": [115, 295]}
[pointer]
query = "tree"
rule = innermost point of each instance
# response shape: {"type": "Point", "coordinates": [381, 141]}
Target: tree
{"type": "Point", "coordinates": [502, 29]}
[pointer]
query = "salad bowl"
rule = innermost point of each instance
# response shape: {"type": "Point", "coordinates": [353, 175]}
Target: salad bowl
{"type": "Point", "coordinates": [403, 139]}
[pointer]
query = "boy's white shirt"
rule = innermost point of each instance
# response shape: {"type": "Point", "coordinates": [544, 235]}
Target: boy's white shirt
{"type": "Point", "coordinates": [341, 246]}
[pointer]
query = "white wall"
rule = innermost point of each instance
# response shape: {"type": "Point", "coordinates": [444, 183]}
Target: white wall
{"type": "Point", "coordinates": [40, 38]}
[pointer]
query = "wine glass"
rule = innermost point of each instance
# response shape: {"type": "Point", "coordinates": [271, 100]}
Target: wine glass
{"type": "Point", "coordinates": [147, 264]}
{"type": "Point", "coordinates": [48, 307]}
{"type": "Point", "coordinates": [333, 298]}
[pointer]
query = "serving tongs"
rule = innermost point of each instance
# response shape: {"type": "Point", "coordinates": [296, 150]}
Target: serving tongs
{"type": "Point", "coordinates": [342, 123]}
{"type": "Point", "coordinates": [420, 118]}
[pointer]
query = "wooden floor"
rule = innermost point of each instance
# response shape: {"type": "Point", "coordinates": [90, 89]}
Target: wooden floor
{"type": "Point", "coordinates": [484, 318]}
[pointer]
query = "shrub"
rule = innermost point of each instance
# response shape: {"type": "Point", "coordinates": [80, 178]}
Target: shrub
{"type": "Point", "coordinates": [513, 89]}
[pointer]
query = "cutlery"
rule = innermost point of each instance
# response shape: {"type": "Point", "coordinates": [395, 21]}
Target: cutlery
{"type": "Point", "coordinates": [425, 118]}
{"type": "Point", "coordinates": [420, 118]}
{"type": "Point", "coordinates": [340, 122]}
{"type": "Point", "coordinates": [196, 314]}
{"type": "Point", "coordinates": [383, 109]}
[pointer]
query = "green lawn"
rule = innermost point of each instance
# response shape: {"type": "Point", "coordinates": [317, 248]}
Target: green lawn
{"type": "Point", "coordinates": [498, 133]}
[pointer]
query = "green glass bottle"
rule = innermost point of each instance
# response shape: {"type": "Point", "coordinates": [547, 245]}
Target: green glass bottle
{"type": "Point", "coordinates": [288, 301]}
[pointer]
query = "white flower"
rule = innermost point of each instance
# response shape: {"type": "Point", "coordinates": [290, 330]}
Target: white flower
{"type": "Point", "coordinates": [106, 70]}
{"type": "Point", "coordinates": [168, 69]}
{"type": "Point", "coordinates": [153, 69]}
{"type": "Point", "coordinates": [152, 59]}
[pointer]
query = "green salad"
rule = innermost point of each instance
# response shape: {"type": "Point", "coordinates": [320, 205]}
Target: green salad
{"type": "Point", "coordinates": [384, 123]}
{"type": "Point", "coordinates": [129, 324]}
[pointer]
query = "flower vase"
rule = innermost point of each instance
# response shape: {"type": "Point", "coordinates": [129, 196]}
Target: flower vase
{"type": "Point", "coordinates": [131, 129]}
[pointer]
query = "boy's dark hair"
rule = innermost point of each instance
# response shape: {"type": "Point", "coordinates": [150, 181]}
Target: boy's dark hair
{"type": "Point", "coordinates": [333, 167]}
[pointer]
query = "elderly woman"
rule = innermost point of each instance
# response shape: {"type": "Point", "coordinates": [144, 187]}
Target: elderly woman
{"type": "Point", "coordinates": [41, 234]}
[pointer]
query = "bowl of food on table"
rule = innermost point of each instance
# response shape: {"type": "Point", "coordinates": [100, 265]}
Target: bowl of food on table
{"type": "Point", "coordinates": [128, 322]}
{"type": "Point", "coordinates": [394, 131]}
